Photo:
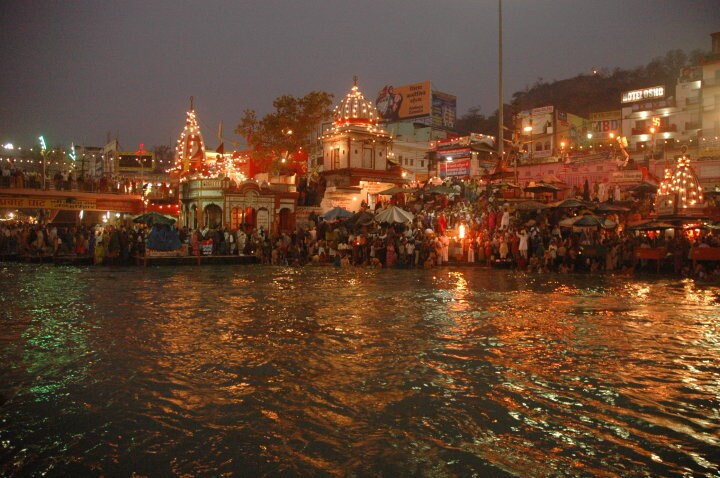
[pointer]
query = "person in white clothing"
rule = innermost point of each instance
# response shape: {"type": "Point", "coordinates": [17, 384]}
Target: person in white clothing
{"type": "Point", "coordinates": [523, 244]}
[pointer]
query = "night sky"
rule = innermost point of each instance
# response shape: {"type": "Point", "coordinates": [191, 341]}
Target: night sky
{"type": "Point", "coordinates": [78, 71]}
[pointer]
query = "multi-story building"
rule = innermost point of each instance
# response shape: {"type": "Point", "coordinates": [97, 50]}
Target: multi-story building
{"type": "Point", "coordinates": [709, 140]}
{"type": "Point", "coordinates": [464, 156]}
{"type": "Point", "coordinates": [546, 134]}
{"type": "Point", "coordinates": [415, 116]}
{"type": "Point", "coordinates": [410, 145]}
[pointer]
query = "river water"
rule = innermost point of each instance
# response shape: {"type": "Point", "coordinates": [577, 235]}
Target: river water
{"type": "Point", "coordinates": [319, 371]}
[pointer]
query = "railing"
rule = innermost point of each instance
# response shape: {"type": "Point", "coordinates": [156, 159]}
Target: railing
{"type": "Point", "coordinates": [34, 182]}
{"type": "Point", "coordinates": [671, 128]}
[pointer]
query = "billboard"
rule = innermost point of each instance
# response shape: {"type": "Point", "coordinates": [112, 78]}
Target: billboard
{"type": "Point", "coordinates": [444, 107]}
{"type": "Point", "coordinates": [418, 102]}
{"type": "Point", "coordinates": [404, 102]}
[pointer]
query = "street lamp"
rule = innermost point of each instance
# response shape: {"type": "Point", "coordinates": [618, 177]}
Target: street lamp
{"type": "Point", "coordinates": [43, 153]}
{"type": "Point", "coordinates": [652, 132]}
{"type": "Point", "coordinates": [529, 130]}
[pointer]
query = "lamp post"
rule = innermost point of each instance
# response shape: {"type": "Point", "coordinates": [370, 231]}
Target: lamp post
{"type": "Point", "coordinates": [652, 132]}
{"type": "Point", "coordinates": [529, 130]}
{"type": "Point", "coordinates": [141, 152]}
{"type": "Point", "coordinates": [43, 153]}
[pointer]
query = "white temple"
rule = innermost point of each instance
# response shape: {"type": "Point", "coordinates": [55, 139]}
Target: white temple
{"type": "Point", "coordinates": [355, 155]}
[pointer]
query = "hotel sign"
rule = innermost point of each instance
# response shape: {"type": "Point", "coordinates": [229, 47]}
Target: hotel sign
{"type": "Point", "coordinates": [644, 94]}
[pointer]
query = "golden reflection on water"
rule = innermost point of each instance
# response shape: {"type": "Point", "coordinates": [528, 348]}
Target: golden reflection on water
{"type": "Point", "coordinates": [347, 372]}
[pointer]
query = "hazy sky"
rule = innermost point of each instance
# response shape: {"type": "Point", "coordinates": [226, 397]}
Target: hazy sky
{"type": "Point", "coordinates": [80, 70]}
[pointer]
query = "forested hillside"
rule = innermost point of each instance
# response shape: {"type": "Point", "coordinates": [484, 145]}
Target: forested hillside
{"type": "Point", "coordinates": [585, 93]}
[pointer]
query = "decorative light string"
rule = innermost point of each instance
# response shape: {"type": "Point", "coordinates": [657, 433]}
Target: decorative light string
{"type": "Point", "coordinates": [682, 184]}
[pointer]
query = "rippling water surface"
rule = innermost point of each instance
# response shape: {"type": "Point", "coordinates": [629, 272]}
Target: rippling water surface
{"type": "Point", "coordinates": [264, 371]}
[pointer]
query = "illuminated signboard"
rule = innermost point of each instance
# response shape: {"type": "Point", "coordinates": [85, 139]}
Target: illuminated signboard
{"type": "Point", "coordinates": [644, 94]}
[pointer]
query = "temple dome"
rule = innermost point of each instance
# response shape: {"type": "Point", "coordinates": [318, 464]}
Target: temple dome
{"type": "Point", "coordinates": [355, 108]}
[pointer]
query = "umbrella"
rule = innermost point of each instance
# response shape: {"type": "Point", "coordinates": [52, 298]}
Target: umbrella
{"type": "Point", "coordinates": [152, 218]}
{"type": "Point", "coordinates": [551, 178]}
{"type": "Point", "coordinates": [336, 213]}
{"type": "Point", "coordinates": [541, 188]}
{"type": "Point", "coordinates": [643, 187]}
{"type": "Point", "coordinates": [587, 220]}
{"type": "Point", "coordinates": [394, 214]}
{"type": "Point", "coordinates": [503, 185]}
{"type": "Point", "coordinates": [530, 206]}
{"type": "Point", "coordinates": [442, 190]}
{"type": "Point", "coordinates": [610, 207]}
{"type": "Point", "coordinates": [360, 218]}
{"type": "Point", "coordinates": [652, 226]}
{"type": "Point", "coordinates": [393, 190]}
{"type": "Point", "coordinates": [568, 203]}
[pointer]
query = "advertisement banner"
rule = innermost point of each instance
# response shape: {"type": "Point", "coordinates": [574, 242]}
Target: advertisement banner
{"type": "Point", "coordinates": [70, 204]}
{"type": "Point", "coordinates": [444, 108]}
{"type": "Point", "coordinates": [629, 176]}
{"type": "Point", "coordinates": [459, 167]}
{"type": "Point", "coordinates": [402, 102]}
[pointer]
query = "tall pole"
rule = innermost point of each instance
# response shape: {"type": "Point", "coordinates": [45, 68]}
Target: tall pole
{"type": "Point", "coordinates": [501, 122]}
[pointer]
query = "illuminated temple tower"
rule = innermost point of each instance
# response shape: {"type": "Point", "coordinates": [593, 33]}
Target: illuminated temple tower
{"type": "Point", "coordinates": [355, 155]}
{"type": "Point", "coordinates": [680, 194]}
{"type": "Point", "coordinates": [190, 149]}
{"type": "Point", "coordinates": [214, 193]}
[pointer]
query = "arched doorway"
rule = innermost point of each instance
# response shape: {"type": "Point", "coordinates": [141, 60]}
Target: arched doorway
{"type": "Point", "coordinates": [194, 216]}
{"type": "Point", "coordinates": [213, 216]}
{"type": "Point", "coordinates": [285, 220]}
{"type": "Point", "coordinates": [263, 219]}
{"type": "Point", "coordinates": [236, 217]}
{"type": "Point", "coordinates": [248, 219]}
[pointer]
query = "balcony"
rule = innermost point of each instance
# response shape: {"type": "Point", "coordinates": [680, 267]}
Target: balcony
{"type": "Point", "coordinates": [671, 128]}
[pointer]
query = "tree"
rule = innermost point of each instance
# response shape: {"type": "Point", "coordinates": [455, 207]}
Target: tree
{"type": "Point", "coordinates": [280, 140]}
{"type": "Point", "coordinates": [164, 157]}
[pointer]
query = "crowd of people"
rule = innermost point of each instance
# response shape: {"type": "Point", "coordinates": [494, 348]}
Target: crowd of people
{"type": "Point", "coordinates": [70, 180]}
{"type": "Point", "coordinates": [470, 227]}
{"type": "Point", "coordinates": [100, 244]}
